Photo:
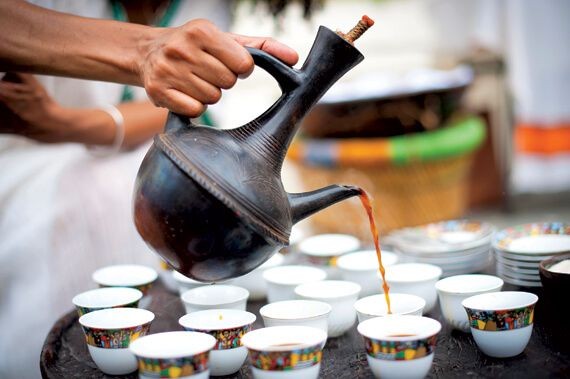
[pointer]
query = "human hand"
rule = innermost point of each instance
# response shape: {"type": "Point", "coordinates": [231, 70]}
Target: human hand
{"type": "Point", "coordinates": [185, 68]}
{"type": "Point", "coordinates": [28, 110]}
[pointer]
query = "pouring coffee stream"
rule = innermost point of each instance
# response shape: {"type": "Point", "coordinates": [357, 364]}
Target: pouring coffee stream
{"type": "Point", "coordinates": [211, 201]}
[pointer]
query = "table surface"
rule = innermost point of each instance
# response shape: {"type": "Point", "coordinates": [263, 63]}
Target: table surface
{"type": "Point", "coordinates": [65, 354]}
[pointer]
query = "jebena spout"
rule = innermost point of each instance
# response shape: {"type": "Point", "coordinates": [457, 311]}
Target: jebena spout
{"type": "Point", "coordinates": [305, 204]}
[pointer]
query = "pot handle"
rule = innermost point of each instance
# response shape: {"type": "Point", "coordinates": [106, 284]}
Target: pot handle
{"type": "Point", "coordinates": [287, 77]}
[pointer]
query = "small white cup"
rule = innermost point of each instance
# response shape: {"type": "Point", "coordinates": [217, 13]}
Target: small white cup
{"type": "Point", "coordinates": [227, 326]}
{"type": "Point", "coordinates": [285, 352]}
{"type": "Point", "coordinates": [108, 334]}
{"type": "Point", "coordinates": [399, 346]}
{"type": "Point", "coordinates": [415, 279]}
{"type": "Point", "coordinates": [254, 282]}
{"type": "Point", "coordinates": [135, 276]}
{"type": "Point", "coordinates": [340, 295]}
{"type": "Point", "coordinates": [184, 283]}
{"type": "Point", "coordinates": [297, 312]}
{"type": "Point", "coordinates": [454, 289]}
{"type": "Point", "coordinates": [215, 296]}
{"type": "Point", "coordinates": [362, 267]}
{"type": "Point", "coordinates": [183, 354]}
{"type": "Point", "coordinates": [281, 281]}
{"type": "Point", "coordinates": [103, 298]}
{"type": "Point", "coordinates": [400, 303]}
{"type": "Point", "coordinates": [323, 250]}
{"type": "Point", "coordinates": [501, 322]}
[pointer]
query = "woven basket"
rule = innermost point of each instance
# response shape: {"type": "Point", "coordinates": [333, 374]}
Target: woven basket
{"type": "Point", "coordinates": [412, 179]}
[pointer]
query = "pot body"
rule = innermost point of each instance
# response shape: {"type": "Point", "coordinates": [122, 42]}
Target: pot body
{"type": "Point", "coordinates": [192, 230]}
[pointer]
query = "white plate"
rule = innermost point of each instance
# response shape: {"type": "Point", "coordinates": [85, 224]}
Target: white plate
{"type": "Point", "coordinates": [523, 258]}
{"type": "Point", "coordinates": [442, 237]}
{"type": "Point", "coordinates": [518, 282]}
{"type": "Point", "coordinates": [515, 263]}
{"type": "Point", "coordinates": [515, 275]}
{"type": "Point", "coordinates": [547, 238]}
{"type": "Point", "coordinates": [528, 271]}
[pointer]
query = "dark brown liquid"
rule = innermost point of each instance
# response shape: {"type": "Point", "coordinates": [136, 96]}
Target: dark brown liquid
{"type": "Point", "coordinates": [402, 335]}
{"type": "Point", "coordinates": [365, 199]}
{"type": "Point", "coordinates": [286, 345]}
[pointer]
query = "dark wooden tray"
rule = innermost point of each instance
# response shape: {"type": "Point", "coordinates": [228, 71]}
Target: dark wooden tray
{"type": "Point", "coordinates": [65, 355]}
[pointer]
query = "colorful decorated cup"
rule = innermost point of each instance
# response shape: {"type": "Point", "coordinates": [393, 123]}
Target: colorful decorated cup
{"type": "Point", "coordinates": [181, 355]}
{"type": "Point", "coordinates": [415, 279]}
{"type": "Point", "coordinates": [501, 322]}
{"type": "Point", "coordinates": [227, 326]}
{"type": "Point", "coordinates": [135, 276]}
{"type": "Point", "coordinates": [454, 289]}
{"type": "Point", "coordinates": [400, 304]}
{"type": "Point", "coordinates": [103, 298]}
{"type": "Point", "coordinates": [109, 332]}
{"type": "Point", "coordinates": [281, 281]}
{"type": "Point", "coordinates": [399, 346]}
{"type": "Point", "coordinates": [254, 283]}
{"type": "Point", "coordinates": [296, 312]}
{"type": "Point", "coordinates": [340, 295]}
{"type": "Point", "coordinates": [285, 352]}
{"type": "Point", "coordinates": [323, 250]}
{"type": "Point", "coordinates": [362, 267]}
{"type": "Point", "coordinates": [215, 296]}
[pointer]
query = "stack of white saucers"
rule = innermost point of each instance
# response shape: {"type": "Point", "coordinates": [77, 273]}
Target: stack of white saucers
{"type": "Point", "coordinates": [520, 249]}
{"type": "Point", "coordinates": [457, 246]}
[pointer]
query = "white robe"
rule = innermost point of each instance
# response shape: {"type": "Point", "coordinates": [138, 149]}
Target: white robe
{"type": "Point", "coordinates": [65, 212]}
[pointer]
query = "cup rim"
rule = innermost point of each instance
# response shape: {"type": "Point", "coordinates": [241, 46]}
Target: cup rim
{"type": "Point", "coordinates": [319, 274]}
{"type": "Point", "coordinates": [206, 343]}
{"type": "Point", "coordinates": [440, 284]}
{"type": "Point", "coordinates": [187, 320]}
{"type": "Point", "coordinates": [468, 302]}
{"type": "Point", "coordinates": [545, 265]}
{"type": "Point", "coordinates": [242, 294]}
{"type": "Point", "coordinates": [180, 278]}
{"type": "Point", "coordinates": [263, 311]}
{"type": "Point", "coordinates": [318, 337]}
{"type": "Point", "coordinates": [147, 275]}
{"type": "Point", "coordinates": [435, 274]}
{"type": "Point", "coordinates": [141, 317]}
{"type": "Point", "coordinates": [131, 295]}
{"type": "Point", "coordinates": [359, 303]}
{"type": "Point", "coordinates": [342, 262]}
{"type": "Point", "coordinates": [352, 242]}
{"type": "Point", "coordinates": [352, 289]}
{"type": "Point", "coordinates": [364, 326]}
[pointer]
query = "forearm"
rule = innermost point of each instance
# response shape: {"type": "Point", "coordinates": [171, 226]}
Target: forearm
{"type": "Point", "coordinates": [94, 126]}
{"type": "Point", "coordinates": [39, 40]}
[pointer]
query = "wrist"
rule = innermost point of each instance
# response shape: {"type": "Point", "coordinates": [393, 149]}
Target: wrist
{"type": "Point", "coordinates": [143, 47]}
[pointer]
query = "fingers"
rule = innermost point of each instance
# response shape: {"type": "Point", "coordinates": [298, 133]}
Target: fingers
{"type": "Point", "coordinates": [269, 45]}
{"type": "Point", "coordinates": [10, 93]}
{"type": "Point", "coordinates": [17, 88]}
{"type": "Point", "coordinates": [28, 79]}
{"type": "Point", "coordinates": [179, 102]}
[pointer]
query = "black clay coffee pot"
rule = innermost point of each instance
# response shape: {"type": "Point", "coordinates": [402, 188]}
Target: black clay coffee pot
{"type": "Point", "coordinates": [211, 201]}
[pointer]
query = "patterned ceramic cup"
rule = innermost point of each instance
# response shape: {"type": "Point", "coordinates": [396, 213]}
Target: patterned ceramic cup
{"type": "Point", "coordinates": [108, 333]}
{"type": "Point", "coordinates": [135, 276]}
{"type": "Point", "coordinates": [216, 296]}
{"type": "Point", "coordinates": [103, 298]}
{"type": "Point", "coordinates": [454, 289]}
{"type": "Point", "coordinates": [323, 250]}
{"type": "Point", "coordinates": [174, 355]}
{"type": "Point", "coordinates": [227, 326]}
{"type": "Point", "coordinates": [400, 346]}
{"type": "Point", "coordinates": [284, 352]}
{"type": "Point", "coordinates": [340, 295]}
{"type": "Point", "coordinates": [400, 304]}
{"type": "Point", "coordinates": [501, 322]}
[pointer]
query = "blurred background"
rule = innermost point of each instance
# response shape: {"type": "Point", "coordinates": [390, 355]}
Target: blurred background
{"type": "Point", "coordinates": [429, 67]}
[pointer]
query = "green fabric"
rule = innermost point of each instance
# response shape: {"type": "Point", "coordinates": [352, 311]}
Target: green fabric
{"type": "Point", "coordinates": [455, 139]}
